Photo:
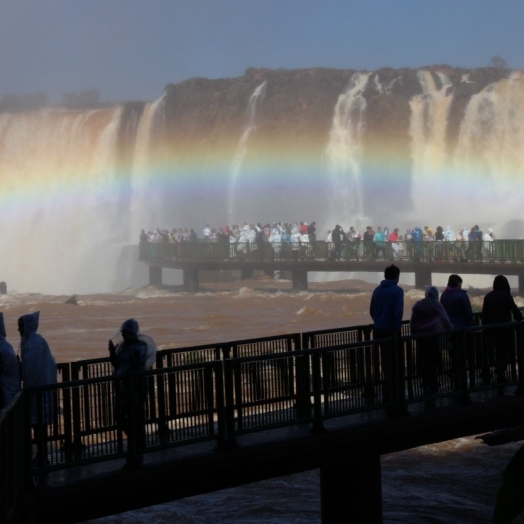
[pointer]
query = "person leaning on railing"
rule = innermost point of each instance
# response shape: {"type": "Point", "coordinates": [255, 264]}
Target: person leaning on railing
{"type": "Point", "coordinates": [499, 308]}
{"type": "Point", "coordinates": [129, 357]}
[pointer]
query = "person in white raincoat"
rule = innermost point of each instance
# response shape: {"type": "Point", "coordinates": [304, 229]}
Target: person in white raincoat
{"type": "Point", "coordinates": [38, 365]}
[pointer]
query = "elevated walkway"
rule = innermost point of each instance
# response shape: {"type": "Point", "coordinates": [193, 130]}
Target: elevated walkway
{"type": "Point", "coordinates": [504, 257]}
{"type": "Point", "coordinates": [218, 416]}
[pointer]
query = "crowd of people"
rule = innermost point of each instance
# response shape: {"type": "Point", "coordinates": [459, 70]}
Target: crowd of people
{"type": "Point", "coordinates": [468, 244]}
{"type": "Point", "coordinates": [453, 311]}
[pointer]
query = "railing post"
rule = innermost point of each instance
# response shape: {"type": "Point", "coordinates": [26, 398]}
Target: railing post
{"type": "Point", "coordinates": [460, 351]}
{"type": "Point", "coordinates": [303, 381]}
{"type": "Point", "coordinates": [520, 358]}
{"type": "Point", "coordinates": [230, 400]}
{"type": "Point", "coordinates": [398, 377]}
{"type": "Point", "coordinates": [134, 419]}
{"type": "Point", "coordinates": [318, 426]}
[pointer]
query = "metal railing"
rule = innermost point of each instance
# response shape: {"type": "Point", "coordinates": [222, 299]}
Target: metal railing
{"type": "Point", "coordinates": [498, 251]}
{"type": "Point", "coordinates": [15, 458]}
{"type": "Point", "coordinates": [217, 393]}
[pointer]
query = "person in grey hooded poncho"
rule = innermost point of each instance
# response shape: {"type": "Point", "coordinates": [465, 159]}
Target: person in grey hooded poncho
{"type": "Point", "coordinates": [38, 365]}
{"type": "Point", "coordinates": [9, 368]}
{"type": "Point", "coordinates": [429, 316]}
{"type": "Point", "coordinates": [133, 354]}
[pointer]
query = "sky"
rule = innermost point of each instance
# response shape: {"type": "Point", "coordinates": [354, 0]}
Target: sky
{"type": "Point", "coordinates": [130, 49]}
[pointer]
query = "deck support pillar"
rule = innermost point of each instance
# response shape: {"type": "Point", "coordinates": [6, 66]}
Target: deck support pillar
{"type": "Point", "coordinates": [422, 278]}
{"type": "Point", "coordinates": [353, 488]}
{"type": "Point", "coordinates": [191, 281]}
{"type": "Point", "coordinates": [155, 275]}
{"type": "Point", "coordinates": [299, 279]}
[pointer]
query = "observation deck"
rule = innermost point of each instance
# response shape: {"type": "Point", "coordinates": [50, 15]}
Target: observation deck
{"type": "Point", "coordinates": [421, 258]}
{"type": "Point", "coordinates": [217, 416]}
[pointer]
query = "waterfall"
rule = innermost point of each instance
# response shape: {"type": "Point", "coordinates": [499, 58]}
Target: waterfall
{"type": "Point", "coordinates": [428, 126]}
{"type": "Point", "coordinates": [490, 155]}
{"type": "Point", "coordinates": [144, 189]}
{"type": "Point", "coordinates": [58, 179]}
{"type": "Point", "coordinates": [344, 154]}
{"type": "Point", "coordinates": [241, 149]}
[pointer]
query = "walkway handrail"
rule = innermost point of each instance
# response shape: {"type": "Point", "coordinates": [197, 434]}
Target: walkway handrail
{"type": "Point", "coordinates": [84, 420]}
{"type": "Point", "coordinates": [498, 251]}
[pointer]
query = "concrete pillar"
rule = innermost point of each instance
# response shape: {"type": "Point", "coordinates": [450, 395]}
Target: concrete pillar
{"type": "Point", "coordinates": [351, 490]}
{"type": "Point", "coordinates": [155, 276]}
{"type": "Point", "coordinates": [191, 281]}
{"type": "Point", "coordinates": [246, 274]}
{"type": "Point", "coordinates": [422, 278]}
{"type": "Point", "coordinates": [299, 279]}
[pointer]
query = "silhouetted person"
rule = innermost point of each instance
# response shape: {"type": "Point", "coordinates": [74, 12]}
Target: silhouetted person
{"type": "Point", "coordinates": [38, 369]}
{"type": "Point", "coordinates": [500, 308]}
{"type": "Point", "coordinates": [428, 316]}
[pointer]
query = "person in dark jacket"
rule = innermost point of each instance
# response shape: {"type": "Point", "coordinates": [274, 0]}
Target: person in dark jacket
{"type": "Point", "coordinates": [456, 303]}
{"type": "Point", "coordinates": [500, 308]}
{"type": "Point", "coordinates": [386, 310]}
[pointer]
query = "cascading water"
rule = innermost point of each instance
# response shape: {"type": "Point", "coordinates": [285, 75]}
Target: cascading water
{"type": "Point", "coordinates": [489, 157]}
{"type": "Point", "coordinates": [241, 149]}
{"type": "Point", "coordinates": [344, 154]}
{"type": "Point", "coordinates": [57, 178]}
{"type": "Point", "coordinates": [76, 187]}
{"type": "Point", "coordinates": [428, 126]}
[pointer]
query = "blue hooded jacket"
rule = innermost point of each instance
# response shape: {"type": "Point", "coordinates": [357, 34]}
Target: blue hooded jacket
{"type": "Point", "coordinates": [387, 306]}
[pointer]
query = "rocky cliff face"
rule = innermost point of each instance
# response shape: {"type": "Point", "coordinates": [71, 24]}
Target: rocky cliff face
{"type": "Point", "coordinates": [393, 147]}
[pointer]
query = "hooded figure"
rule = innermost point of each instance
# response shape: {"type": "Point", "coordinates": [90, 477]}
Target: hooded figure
{"type": "Point", "coordinates": [429, 316]}
{"type": "Point", "coordinates": [38, 364]}
{"type": "Point", "coordinates": [498, 308]}
{"type": "Point", "coordinates": [9, 368]}
{"type": "Point", "coordinates": [134, 352]}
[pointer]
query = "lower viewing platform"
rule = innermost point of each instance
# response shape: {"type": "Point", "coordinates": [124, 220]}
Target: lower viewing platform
{"type": "Point", "coordinates": [422, 259]}
{"type": "Point", "coordinates": [222, 415]}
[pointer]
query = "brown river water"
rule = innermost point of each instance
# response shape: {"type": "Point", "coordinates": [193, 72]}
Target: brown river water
{"type": "Point", "coordinates": [452, 482]}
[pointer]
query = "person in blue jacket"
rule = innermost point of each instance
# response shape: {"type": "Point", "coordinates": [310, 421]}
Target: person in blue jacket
{"type": "Point", "coordinates": [456, 303]}
{"type": "Point", "coordinates": [387, 305]}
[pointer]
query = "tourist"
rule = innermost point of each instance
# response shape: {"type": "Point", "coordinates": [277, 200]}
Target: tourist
{"type": "Point", "coordinates": [428, 316]}
{"type": "Point", "coordinates": [394, 239]}
{"type": "Point", "coordinates": [336, 236]}
{"type": "Point", "coordinates": [387, 305]}
{"type": "Point", "coordinates": [379, 240]}
{"type": "Point", "coordinates": [499, 308]}
{"type": "Point", "coordinates": [38, 368]}
{"type": "Point", "coordinates": [456, 302]}
{"type": "Point", "coordinates": [9, 369]}
{"type": "Point", "coordinates": [132, 354]}
{"type": "Point", "coordinates": [386, 309]}
{"type": "Point", "coordinates": [368, 237]}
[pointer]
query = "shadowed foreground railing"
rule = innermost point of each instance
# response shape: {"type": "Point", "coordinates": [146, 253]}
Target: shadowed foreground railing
{"type": "Point", "coordinates": [270, 383]}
